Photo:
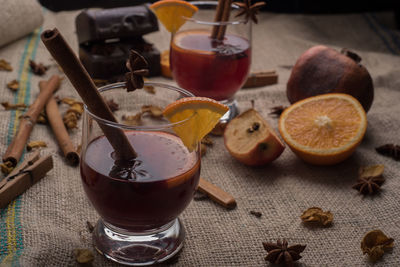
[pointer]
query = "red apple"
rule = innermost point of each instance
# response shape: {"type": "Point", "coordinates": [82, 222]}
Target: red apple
{"type": "Point", "coordinates": [250, 139]}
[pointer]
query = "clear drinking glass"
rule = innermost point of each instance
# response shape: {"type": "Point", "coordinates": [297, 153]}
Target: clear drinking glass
{"type": "Point", "coordinates": [208, 66]}
{"type": "Point", "coordinates": [139, 203]}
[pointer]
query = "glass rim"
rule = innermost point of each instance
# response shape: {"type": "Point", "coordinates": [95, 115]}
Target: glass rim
{"type": "Point", "coordinates": [213, 23]}
{"type": "Point", "coordinates": [121, 85]}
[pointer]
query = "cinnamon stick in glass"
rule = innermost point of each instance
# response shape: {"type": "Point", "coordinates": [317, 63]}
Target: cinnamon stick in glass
{"type": "Point", "coordinates": [80, 79]}
{"type": "Point", "coordinates": [28, 120]}
{"type": "Point", "coordinates": [221, 15]}
{"type": "Point", "coordinates": [217, 18]}
{"type": "Point", "coordinates": [58, 127]}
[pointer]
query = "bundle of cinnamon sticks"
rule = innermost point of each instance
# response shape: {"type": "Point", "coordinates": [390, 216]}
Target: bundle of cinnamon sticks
{"type": "Point", "coordinates": [221, 15]}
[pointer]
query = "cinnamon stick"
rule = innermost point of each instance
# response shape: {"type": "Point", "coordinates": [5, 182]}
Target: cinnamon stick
{"type": "Point", "coordinates": [216, 194]}
{"type": "Point", "coordinates": [58, 127]}
{"type": "Point", "coordinates": [262, 78]}
{"type": "Point", "coordinates": [28, 120]}
{"type": "Point", "coordinates": [225, 17]}
{"type": "Point", "coordinates": [217, 18]}
{"type": "Point", "coordinates": [80, 79]}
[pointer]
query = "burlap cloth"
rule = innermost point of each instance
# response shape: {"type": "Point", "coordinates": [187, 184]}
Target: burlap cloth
{"type": "Point", "coordinates": [45, 224]}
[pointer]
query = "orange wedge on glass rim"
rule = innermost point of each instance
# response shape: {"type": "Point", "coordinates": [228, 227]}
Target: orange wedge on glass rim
{"type": "Point", "coordinates": [201, 113]}
{"type": "Point", "coordinates": [171, 12]}
{"type": "Point", "coordinates": [324, 129]}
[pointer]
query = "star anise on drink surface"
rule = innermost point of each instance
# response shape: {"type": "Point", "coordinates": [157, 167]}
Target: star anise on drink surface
{"type": "Point", "coordinates": [37, 68]}
{"type": "Point", "coordinates": [250, 11]}
{"type": "Point", "coordinates": [138, 67]}
{"type": "Point", "coordinates": [128, 170]}
{"type": "Point", "coordinates": [281, 253]}
{"type": "Point", "coordinates": [369, 185]}
{"type": "Point", "coordinates": [390, 150]}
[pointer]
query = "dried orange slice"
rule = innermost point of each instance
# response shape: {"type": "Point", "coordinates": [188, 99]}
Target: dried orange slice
{"type": "Point", "coordinates": [171, 12]}
{"type": "Point", "coordinates": [202, 115]}
{"type": "Point", "coordinates": [324, 129]}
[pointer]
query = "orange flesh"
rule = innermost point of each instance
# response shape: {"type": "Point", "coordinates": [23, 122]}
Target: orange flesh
{"type": "Point", "coordinates": [324, 124]}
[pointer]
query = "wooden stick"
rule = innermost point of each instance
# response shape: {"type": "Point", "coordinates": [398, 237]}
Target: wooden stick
{"type": "Point", "coordinates": [225, 17]}
{"type": "Point", "coordinates": [58, 127]}
{"type": "Point", "coordinates": [262, 78]}
{"type": "Point", "coordinates": [217, 18]}
{"type": "Point", "coordinates": [80, 79]}
{"type": "Point", "coordinates": [28, 120]}
{"type": "Point", "coordinates": [31, 171]}
{"type": "Point", "coordinates": [216, 194]}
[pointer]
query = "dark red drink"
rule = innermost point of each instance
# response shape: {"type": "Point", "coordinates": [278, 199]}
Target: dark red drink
{"type": "Point", "coordinates": [209, 68]}
{"type": "Point", "coordinates": [166, 176]}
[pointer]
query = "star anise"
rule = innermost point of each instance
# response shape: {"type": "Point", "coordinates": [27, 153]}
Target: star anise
{"type": "Point", "coordinates": [390, 150]}
{"type": "Point", "coordinates": [281, 253]}
{"type": "Point", "coordinates": [138, 67]}
{"type": "Point", "coordinates": [250, 11]}
{"type": "Point", "coordinates": [277, 111]}
{"type": "Point", "coordinates": [128, 170]}
{"type": "Point", "coordinates": [37, 68]}
{"type": "Point", "coordinates": [369, 185]}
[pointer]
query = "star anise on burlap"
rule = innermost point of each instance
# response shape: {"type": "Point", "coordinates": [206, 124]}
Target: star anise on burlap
{"type": "Point", "coordinates": [277, 111]}
{"type": "Point", "coordinates": [250, 11]}
{"type": "Point", "coordinates": [281, 253]}
{"type": "Point", "coordinates": [37, 68]}
{"type": "Point", "coordinates": [390, 150]}
{"type": "Point", "coordinates": [369, 185]}
{"type": "Point", "coordinates": [138, 67]}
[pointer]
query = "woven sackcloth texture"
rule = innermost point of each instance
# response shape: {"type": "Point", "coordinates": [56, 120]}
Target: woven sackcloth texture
{"type": "Point", "coordinates": [44, 225]}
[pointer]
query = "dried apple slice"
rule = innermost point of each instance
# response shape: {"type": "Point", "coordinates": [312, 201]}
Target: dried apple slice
{"type": "Point", "coordinates": [250, 139]}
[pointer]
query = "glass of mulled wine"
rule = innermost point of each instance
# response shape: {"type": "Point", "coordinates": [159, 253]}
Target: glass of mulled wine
{"type": "Point", "coordinates": [138, 200]}
{"type": "Point", "coordinates": [212, 59]}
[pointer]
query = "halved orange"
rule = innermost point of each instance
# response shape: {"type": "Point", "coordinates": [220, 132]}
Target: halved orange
{"type": "Point", "coordinates": [324, 129]}
{"type": "Point", "coordinates": [202, 115]}
{"type": "Point", "coordinates": [171, 13]}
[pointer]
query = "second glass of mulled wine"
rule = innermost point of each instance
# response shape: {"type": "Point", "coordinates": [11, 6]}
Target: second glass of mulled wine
{"type": "Point", "coordinates": [212, 58]}
{"type": "Point", "coordinates": [138, 200]}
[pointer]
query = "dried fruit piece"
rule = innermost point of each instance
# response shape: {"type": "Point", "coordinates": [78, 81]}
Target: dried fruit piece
{"type": "Point", "coordinates": [7, 167]}
{"type": "Point", "coordinates": [9, 106]}
{"type": "Point", "coordinates": [133, 120]}
{"type": "Point", "coordinates": [4, 65]}
{"type": "Point", "coordinates": [317, 215]}
{"type": "Point", "coordinates": [281, 253]}
{"type": "Point", "coordinates": [70, 120]}
{"type": "Point", "coordinates": [207, 141]}
{"type": "Point", "coordinates": [375, 243]}
{"type": "Point", "coordinates": [42, 118]}
{"type": "Point", "coordinates": [371, 171]}
{"type": "Point", "coordinates": [148, 88]}
{"type": "Point", "coordinates": [35, 144]}
{"type": "Point", "coordinates": [68, 101]}
{"type": "Point", "coordinates": [83, 255]}
{"type": "Point", "coordinates": [251, 140]}
{"type": "Point", "coordinates": [155, 112]}
{"type": "Point", "coordinates": [13, 85]}
{"type": "Point", "coordinates": [72, 115]}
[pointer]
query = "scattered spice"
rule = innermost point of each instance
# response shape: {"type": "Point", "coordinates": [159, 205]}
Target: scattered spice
{"type": "Point", "coordinates": [155, 112]}
{"type": "Point", "coordinates": [37, 68]}
{"type": "Point", "coordinates": [203, 149]}
{"type": "Point", "coordinates": [72, 115]}
{"type": "Point", "coordinates": [219, 129]}
{"type": "Point", "coordinates": [100, 82]}
{"type": "Point", "coordinates": [90, 226]}
{"type": "Point", "coordinates": [68, 101]}
{"type": "Point", "coordinates": [133, 120]}
{"type": "Point", "coordinates": [207, 141]}
{"type": "Point", "coordinates": [112, 105]}
{"type": "Point", "coordinates": [389, 150]}
{"type": "Point", "coordinates": [149, 88]}
{"type": "Point", "coordinates": [35, 144]}
{"type": "Point", "coordinates": [375, 243]}
{"type": "Point", "coordinates": [70, 120]}
{"type": "Point", "coordinates": [138, 67]}
{"type": "Point", "coordinates": [317, 215]}
{"type": "Point", "coordinates": [281, 253]}
{"type": "Point", "coordinates": [370, 179]}
{"type": "Point", "coordinates": [6, 167]}
{"type": "Point", "coordinates": [277, 111]}
{"type": "Point", "coordinates": [42, 118]}
{"type": "Point", "coordinates": [4, 65]}
{"type": "Point", "coordinates": [83, 255]}
{"type": "Point", "coordinates": [9, 106]}
{"type": "Point", "coordinates": [250, 11]}
{"type": "Point", "coordinates": [256, 213]}
{"type": "Point", "coordinates": [13, 85]}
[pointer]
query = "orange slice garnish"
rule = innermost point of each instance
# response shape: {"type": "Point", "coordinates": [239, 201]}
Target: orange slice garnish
{"type": "Point", "coordinates": [324, 129]}
{"type": "Point", "coordinates": [201, 113]}
{"type": "Point", "coordinates": [171, 13]}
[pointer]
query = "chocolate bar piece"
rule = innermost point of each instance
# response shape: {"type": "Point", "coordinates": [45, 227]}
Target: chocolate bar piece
{"type": "Point", "coordinates": [107, 60]}
{"type": "Point", "coordinates": [98, 25]}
